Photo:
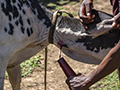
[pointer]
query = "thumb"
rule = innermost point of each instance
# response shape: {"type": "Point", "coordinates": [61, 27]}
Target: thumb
{"type": "Point", "coordinates": [67, 80]}
{"type": "Point", "coordinates": [114, 24]}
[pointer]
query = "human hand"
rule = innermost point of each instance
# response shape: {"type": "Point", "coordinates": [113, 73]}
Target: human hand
{"type": "Point", "coordinates": [116, 23]}
{"type": "Point", "coordinates": [78, 83]}
{"type": "Point", "coordinates": [85, 12]}
{"type": "Point", "coordinates": [103, 27]}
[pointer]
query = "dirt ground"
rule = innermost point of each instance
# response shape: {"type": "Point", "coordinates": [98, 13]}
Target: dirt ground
{"type": "Point", "coordinates": [55, 76]}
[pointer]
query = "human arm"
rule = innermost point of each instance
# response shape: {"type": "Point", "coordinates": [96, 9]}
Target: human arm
{"type": "Point", "coordinates": [107, 66]}
{"type": "Point", "coordinates": [84, 12]}
{"type": "Point", "coordinates": [116, 23]}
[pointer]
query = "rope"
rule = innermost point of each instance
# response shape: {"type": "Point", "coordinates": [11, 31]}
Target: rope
{"type": "Point", "coordinates": [45, 63]}
{"type": "Point", "coordinates": [54, 20]}
{"type": "Point", "coordinates": [51, 33]}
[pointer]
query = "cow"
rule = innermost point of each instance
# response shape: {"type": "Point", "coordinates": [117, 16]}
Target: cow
{"type": "Point", "coordinates": [25, 26]}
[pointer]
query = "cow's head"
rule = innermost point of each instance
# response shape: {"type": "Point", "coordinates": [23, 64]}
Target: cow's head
{"type": "Point", "coordinates": [78, 42]}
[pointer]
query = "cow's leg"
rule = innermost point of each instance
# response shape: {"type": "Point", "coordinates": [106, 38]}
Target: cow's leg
{"type": "Point", "coordinates": [3, 65]}
{"type": "Point", "coordinates": [2, 73]}
{"type": "Point", "coordinates": [118, 71]}
{"type": "Point", "coordinates": [15, 77]}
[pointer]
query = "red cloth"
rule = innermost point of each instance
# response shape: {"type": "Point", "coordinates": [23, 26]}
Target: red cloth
{"type": "Point", "coordinates": [116, 6]}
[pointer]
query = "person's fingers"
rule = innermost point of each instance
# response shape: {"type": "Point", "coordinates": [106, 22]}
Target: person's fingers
{"type": "Point", "coordinates": [114, 24]}
{"type": "Point", "coordinates": [116, 20]}
{"type": "Point", "coordinates": [117, 26]}
{"type": "Point", "coordinates": [81, 20]}
{"type": "Point", "coordinates": [86, 27]}
{"type": "Point", "coordinates": [81, 11]}
{"type": "Point", "coordinates": [67, 81]}
{"type": "Point", "coordinates": [84, 23]}
{"type": "Point", "coordinates": [93, 16]}
{"type": "Point", "coordinates": [88, 9]}
{"type": "Point", "coordinates": [86, 20]}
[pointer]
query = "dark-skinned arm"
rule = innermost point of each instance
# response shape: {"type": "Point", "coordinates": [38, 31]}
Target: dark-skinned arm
{"type": "Point", "coordinates": [110, 63]}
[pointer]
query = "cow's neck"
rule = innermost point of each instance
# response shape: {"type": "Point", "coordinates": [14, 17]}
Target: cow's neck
{"type": "Point", "coordinates": [42, 24]}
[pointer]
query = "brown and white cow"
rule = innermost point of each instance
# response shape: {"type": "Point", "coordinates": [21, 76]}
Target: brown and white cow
{"type": "Point", "coordinates": [25, 29]}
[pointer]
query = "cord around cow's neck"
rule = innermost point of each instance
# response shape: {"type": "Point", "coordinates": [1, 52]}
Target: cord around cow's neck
{"type": "Point", "coordinates": [54, 20]}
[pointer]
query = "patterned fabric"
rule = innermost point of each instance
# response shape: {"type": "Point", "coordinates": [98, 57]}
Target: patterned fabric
{"type": "Point", "coordinates": [116, 6]}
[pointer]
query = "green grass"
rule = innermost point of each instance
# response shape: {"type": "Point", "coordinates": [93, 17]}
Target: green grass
{"type": "Point", "coordinates": [28, 66]}
{"type": "Point", "coordinates": [110, 82]}
{"type": "Point", "coordinates": [73, 3]}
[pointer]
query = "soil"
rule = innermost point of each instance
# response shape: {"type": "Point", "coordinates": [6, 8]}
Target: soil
{"type": "Point", "coordinates": [55, 76]}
